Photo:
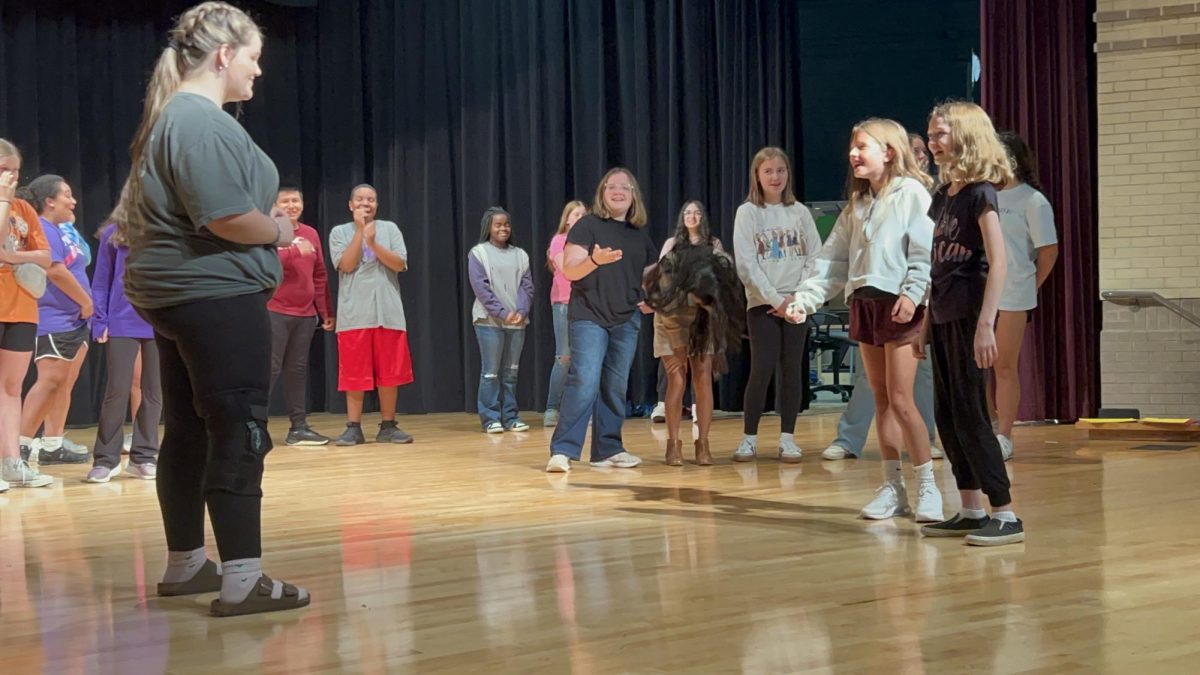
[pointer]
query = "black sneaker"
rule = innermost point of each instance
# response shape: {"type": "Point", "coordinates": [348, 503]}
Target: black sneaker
{"type": "Point", "coordinates": [390, 433]}
{"type": "Point", "coordinates": [958, 526]}
{"type": "Point", "coordinates": [304, 435]}
{"type": "Point", "coordinates": [353, 435]}
{"type": "Point", "coordinates": [998, 533]}
{"type": "Point", "coordinates": [62, 456]}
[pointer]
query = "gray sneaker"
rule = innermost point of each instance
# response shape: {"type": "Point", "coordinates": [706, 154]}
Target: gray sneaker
{"type": "Point", "coordinates": [390, 433]}
{"type": "Point", "coordinates": [102, 474]}
{"type": "Point", "coordinates": [353, 435]}
{"type": "Point", "coordinates": [18, 473]}
{"type": "Point", "coordinates": [144, 471]}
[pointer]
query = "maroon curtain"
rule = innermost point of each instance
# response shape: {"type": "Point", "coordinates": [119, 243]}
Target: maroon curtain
{"type": "Point", "coordinates": [1038, 79]}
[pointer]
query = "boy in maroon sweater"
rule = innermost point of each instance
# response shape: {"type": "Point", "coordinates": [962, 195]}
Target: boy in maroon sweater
{"type": "Point", "coordinates": [302, 297]}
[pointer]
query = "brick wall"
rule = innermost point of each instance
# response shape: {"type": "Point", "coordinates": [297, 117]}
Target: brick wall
{"type": "Point", "coordinates": [1148, 90]}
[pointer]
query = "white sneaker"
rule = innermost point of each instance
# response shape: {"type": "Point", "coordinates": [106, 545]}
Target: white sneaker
{"type": "Point", "coordinates": [936, 453]}
{"type": "Point", "coordinates": [1006, 446]}
{"type": "Point", "coordinates": [929, 503]}
{"type": "Point", "coordinates": [18, 473]}
{"type": "Point", "coordinates": [835, 452]}
{"type": "Point", "coordinates": [659, 414]}
{"type": "Point", "coordinates": [621, 460]}
{"type": "Point", "coordinates": [3, 486]}
{"type": "Point", "coordinates": [890, 500]}
{"type": "Point", "coordinates": [746, 451]}
{"type": "Point", "coordinates": [558, 464]}
{"type": "Point", "coordinates": [493, 428]}
{"type": "Point", "coordinates": [789, 452]}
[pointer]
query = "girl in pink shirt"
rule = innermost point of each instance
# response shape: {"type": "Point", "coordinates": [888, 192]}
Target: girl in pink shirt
{"type": "Point", "coordinates": [560, 295]}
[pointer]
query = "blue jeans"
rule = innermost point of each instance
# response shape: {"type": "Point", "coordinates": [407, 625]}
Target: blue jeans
{"type": "Point", "coordinates": [562, 356]}
{"type": "Point", "coordinates": [596, 383]}
{"type": "Point", "coordinates": [856, 420]}
{"type": "Point", "coordinates": [499, 362]}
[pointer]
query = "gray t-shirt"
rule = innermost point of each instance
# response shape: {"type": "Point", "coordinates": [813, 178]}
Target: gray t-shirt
{"type": "Point", "coordinates": [369, 297]}
{"type": "Point", "coordinates": [200, 166]}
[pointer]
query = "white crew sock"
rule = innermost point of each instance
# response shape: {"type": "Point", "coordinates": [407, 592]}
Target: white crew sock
{"type": "Point", "coordinates": [893, 472]}
{"type": "Point", "coordinates": [924, 472]}
{"type": "Point", "coordinates": [238, 578]}
{"type": "Point", "coordinates": [183, 565]}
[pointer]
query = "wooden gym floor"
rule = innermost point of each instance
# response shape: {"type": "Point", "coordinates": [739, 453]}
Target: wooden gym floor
{"type": "Point", "coordinates": [458, 554]}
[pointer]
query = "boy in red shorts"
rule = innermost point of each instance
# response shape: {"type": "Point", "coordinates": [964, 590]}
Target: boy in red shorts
{"type": "Point", "coordinates": [371, 331]}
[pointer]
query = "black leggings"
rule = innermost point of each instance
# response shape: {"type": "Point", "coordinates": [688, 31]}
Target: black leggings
{"type": "Point", "coordinates": [774, 341]}
{"type": "Point", "coordinates": [960, 408]}
{"type": "Point", "coordinates": [215, 357]}
{"type": "Point", "coordinates": [291, 337]}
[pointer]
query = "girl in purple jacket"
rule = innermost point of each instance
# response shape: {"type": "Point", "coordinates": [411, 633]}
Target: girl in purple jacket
{"type": "Point", "coordinates": [124, 334]}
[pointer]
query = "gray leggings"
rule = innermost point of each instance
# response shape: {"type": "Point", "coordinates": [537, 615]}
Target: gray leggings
{"type": "Point", "coordinates": [120, 354]}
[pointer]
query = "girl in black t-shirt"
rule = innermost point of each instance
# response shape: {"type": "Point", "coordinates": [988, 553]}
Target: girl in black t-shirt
{"type": "Point", "coordinates": [959, 329]}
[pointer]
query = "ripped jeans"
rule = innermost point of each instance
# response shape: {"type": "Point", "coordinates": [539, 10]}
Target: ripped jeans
{"type": "Point", "coordinates": [499, 363]}
{"type": "Point", "coordinates": [215, 360]}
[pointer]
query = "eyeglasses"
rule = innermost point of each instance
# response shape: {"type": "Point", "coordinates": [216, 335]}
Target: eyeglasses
{"type": "Point", "coordinates": [619, 188]}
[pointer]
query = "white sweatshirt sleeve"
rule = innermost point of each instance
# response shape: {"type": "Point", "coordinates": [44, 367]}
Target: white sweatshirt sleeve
{"type": "Point", "coordinates": [812, 240]}
{"type": "Point", "coordinates": [914, 204]}
{"type": "Point", "coordinates": [830, 267]}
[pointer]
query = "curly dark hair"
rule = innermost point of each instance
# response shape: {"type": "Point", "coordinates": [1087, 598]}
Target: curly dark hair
{"type": "Point", "coordinates": [711, 279]}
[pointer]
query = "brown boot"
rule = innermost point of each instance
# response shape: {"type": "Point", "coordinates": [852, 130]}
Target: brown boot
{"type": "Point", "coordinates": [703, 456]}
{"type": "Point", "coordinates": [674, 453]}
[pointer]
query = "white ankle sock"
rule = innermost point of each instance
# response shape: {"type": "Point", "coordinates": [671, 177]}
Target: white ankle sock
{"type": "Point", "coordinates": [893, 472]}
{"type": "Point", "coordinates": [752, 438]}
{"type": "Point", "coordinates": [183, 565]}
{"type": "Point", "coordinates": [1006, 516]}
{"type": "Point", "coordinates": [238, 578]}
{"type": "Point", "coordinates": [924, 472]}
{"type": "Point", "coordinates": [26, 441]}
{"type": "Point", "coordinates": [975, 514]}
{"type": "Point", "coordinates": [51, 443]}
{"type": "Point", "coordinates": [787, 438]}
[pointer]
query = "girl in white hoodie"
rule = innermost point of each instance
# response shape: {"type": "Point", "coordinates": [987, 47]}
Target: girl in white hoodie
{"type": "Point", "coordinates": [879, 251]}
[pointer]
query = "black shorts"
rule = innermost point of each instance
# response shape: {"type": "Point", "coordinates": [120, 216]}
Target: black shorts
{"type": "Point", "coordinates": [18, 337]}
{"type": "Point", "coordinates": [64, 345]}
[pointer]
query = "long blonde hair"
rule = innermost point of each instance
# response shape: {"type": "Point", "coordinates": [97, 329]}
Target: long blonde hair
{"type": "Point", "coordinates": [636, 215]}
{"type": "Point", "coordinates": [756, 196]}
{"type": "Point", "coordinates": [571, 206]}
{"type": "Point", "coordinates": [976, 154]}
{"type": "Point", "coordinates": [889, 134]}
{"type": "Point", "coordinates": [197, 33]}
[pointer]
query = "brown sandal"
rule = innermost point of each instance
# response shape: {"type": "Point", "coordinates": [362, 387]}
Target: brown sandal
{"type": "Point", "coordinates": [260, 600]}
{"type": "Point", "coordinates": [206, 580]}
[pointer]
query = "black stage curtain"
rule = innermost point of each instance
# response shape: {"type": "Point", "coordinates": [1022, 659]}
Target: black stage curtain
{"type": "Point", "coordinates": [447, 107]}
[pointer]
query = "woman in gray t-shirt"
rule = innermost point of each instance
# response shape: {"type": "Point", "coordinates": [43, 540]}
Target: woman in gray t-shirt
{"type": "Point", "coordinates": [201, 269]}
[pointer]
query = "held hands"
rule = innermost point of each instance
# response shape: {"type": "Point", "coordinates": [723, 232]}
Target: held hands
{"type": "Point", "coordinates": [329, 323]}
{"type": "Point", "coordinates": [903, 310]}
{"type": "Point", "coordinates": [985, 345]}
{"type": "Point", "coordinates": [918, 346]}
{"type": "Point", "coordinates": [782, 311]}
{"type": "Point", "coordinates": [605, 256]}
{"type": "Point", "coordinates": [646, 309]}
{"type": "Point", "coordinates": [795, 312]}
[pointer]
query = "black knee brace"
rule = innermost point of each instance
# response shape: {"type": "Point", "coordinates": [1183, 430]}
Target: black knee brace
{"type": "Point", "coordinates": [239, 440]}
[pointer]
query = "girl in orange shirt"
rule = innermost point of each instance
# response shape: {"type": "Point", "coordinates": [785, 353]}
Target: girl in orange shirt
{"type": "Point", "coordinates": [21, 241]}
